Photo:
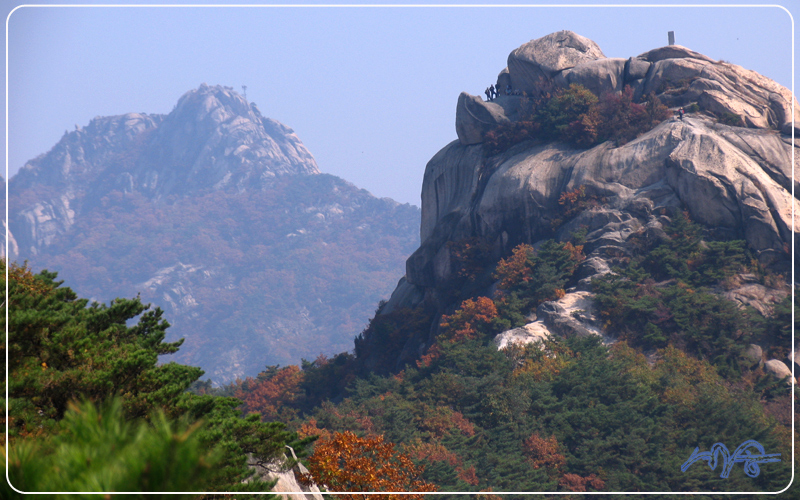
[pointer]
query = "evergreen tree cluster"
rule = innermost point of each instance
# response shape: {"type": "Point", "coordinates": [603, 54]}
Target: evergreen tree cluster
{"type": "Point", "coordinates": [572, 415]}
{"type": "Point", "coordinates": [666, 295]}
{"type": "Point", "coordinates": [92, 410]}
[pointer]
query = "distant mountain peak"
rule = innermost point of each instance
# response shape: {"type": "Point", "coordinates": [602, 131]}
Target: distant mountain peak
{"type": "Point", "coordinates": [212, 140]}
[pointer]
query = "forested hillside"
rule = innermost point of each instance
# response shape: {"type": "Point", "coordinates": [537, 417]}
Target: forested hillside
{"type": "Point", "coordinates": [248, 279]}
{"type": "Point", "coordinates": [565, 414]}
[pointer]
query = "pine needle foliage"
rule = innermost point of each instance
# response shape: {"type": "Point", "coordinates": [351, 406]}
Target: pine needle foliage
{"type": "Point", "coordinates": [96, 448]}
{"type": "Point", "coordinates": [605, 421]}
{"type": "Point", "coordinates": [135, 416]}
{"type": "Point", "coordinates": [663, 296]}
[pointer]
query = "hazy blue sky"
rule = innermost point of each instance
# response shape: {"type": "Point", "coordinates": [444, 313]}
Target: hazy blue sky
{"type": "Point", "coordinates": [370, 91]}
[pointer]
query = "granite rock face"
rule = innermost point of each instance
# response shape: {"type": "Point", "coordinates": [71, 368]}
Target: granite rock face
{"type": "Point", "coordinates": [541, 59]}
{"type": "Point", "coordinates": [209, 136]}
{"type": "Point", "coordinates": [286, 480]}
{"type": "Point", "coordinates": [779, 370]}
{"type": "Point", "coordinates": [599, 76]}
{"type": "Point", "coordinates": [474, 118]}
{"type": "Point", "coordinates": [709, 168]}
{"type": "Point", "coordinates": [735, 180]}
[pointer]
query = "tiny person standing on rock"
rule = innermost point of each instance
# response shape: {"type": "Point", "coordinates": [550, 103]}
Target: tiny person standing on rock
{"type": "Point", "coordinates": [680, 113]}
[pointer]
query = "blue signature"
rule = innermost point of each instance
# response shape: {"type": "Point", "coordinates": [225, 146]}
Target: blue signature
{"type": "Point", "coordinates": [742, 454]}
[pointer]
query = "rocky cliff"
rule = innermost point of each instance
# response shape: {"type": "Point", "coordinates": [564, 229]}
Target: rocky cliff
{"type": "Point", "coordinates": [728, 164]}
{"type": "Point", "coordinates": [219, 216]}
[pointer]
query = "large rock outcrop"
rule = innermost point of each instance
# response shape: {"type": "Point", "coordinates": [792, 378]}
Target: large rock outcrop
{"type": "Point", "coordinates": [543, 58]}
{"type": "Point", "coordinates": [677, 75]}
{"type": "Point", "coordinates": [736, 180]}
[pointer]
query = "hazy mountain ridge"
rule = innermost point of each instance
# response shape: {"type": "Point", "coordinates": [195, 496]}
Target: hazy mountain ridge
{"type": "Point", "coordinates": [221, 217]}
{"type": "Point", "coordinates": [213, 139]}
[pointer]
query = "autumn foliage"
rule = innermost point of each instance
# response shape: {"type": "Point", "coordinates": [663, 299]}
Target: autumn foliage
{"type": "Point", "coordinates": [574, 482]}
{"type": "Point", "coordinates": [464, 323]}
{"type": "Point", "coordinates": [270, 392]}
{"type": "Point", "coordinates": [543, 452]}
{"type": "Point", "coordinates": [348, 463]}
{"type": "Point", "coordinates": [515, 269]}
{"type": "Point", "coordinates": [575, 115]}
{"type": "Point", "coordinates": [574, 202]}
{"type": "Point", "coordinates": [540, 362]}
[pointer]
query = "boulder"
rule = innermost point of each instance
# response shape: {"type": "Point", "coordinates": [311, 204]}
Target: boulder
{"type": "Point", "coordinates": [675, 74]}
{"type": "Point", "coordinates": [539, 60]}
{"type": "Point", "coordinates": [611, 234]}
{"type": "Point", "coordinates": [572, 315]}
{"type": "Point", "coordinates": [530, 333]}
{"type": "Point", "coordinates": [599, 76]}
{"type": "Point", "coordinates": [723, 187]}
{"type": "Point", "coordinates": [722, 104]}
{"type": "Point", "coordinates": [757, 296]}
{"type": "Point", "coordinates": [654, 233]}
{"type": "Point", "coordinates": [474, 118]}
{"type": "Point", "coordinates": [286, 486]}
{"type": "Point", "coordinates": [754, 354]}
{"type": "Point", "coordinates": [640, 207]}
{"type": "Point", "coordinates": [672, 52]}
{"type": "Point", "coordinates": [722, 88]}
{"type": "Point", "coordinates": [591, 268]}
{"type": "Point", "coordinates": [503, 80]}
{"type": "Point", "coordinates": [778, 369]}
{"type": "Point", "coordinates": [635, 69]}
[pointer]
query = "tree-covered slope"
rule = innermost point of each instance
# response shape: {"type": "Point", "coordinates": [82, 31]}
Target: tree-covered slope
{"type": "Point", "coordinates": [581, 413]}
{"type": "Point", "coordinates": [248, 279]}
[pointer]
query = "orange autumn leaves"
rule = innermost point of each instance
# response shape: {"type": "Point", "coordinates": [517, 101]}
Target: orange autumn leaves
{"type": "Point", "coordinates": [463, 324]}
{"type": "Point", "coordinates": [271, 395]}
{"type": "Point", "coordinates": [546, 453]}
{"type": "Point", "coordinates": [343, 461]}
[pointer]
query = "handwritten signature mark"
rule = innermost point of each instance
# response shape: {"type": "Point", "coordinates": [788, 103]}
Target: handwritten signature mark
{"type": "Point", "coordinates": [741, 454]}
